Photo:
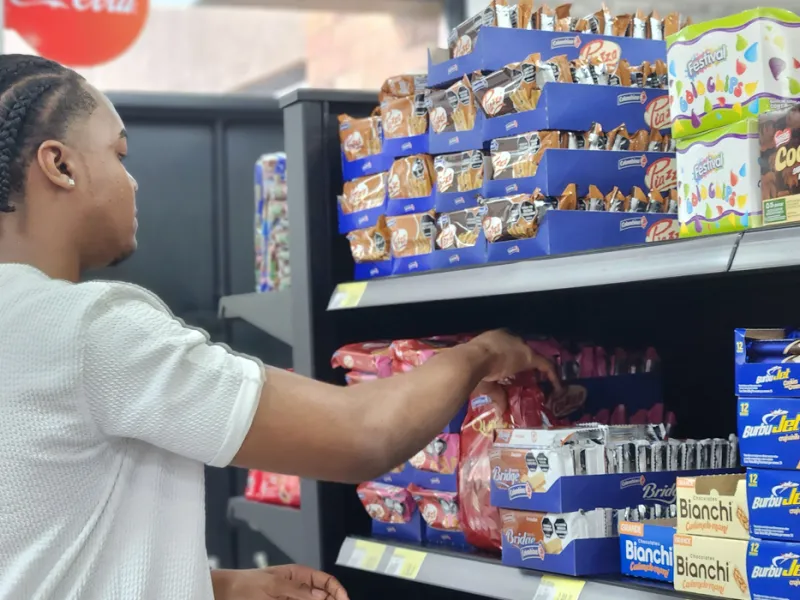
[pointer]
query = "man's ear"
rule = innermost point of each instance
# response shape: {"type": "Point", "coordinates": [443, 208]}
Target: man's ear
{"type": "Point", "coordinates": [54, 160]}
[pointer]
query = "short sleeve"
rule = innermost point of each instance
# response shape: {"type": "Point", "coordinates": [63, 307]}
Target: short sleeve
{"type": "Point", "coordinates": [149, 377]}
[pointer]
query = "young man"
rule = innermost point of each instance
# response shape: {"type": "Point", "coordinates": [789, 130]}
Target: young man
{"type": "Point", "coordinates": [111, 406]}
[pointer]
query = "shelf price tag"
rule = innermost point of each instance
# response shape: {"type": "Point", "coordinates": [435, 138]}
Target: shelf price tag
{"type": "Point", "coordinates": [559, 588]}
{"type": "Point", "coordinates": [366, 555]}
{"type": "Point", "coordinates": [347, 295]}
{"type": "Point", "coordinates": [405, 563]}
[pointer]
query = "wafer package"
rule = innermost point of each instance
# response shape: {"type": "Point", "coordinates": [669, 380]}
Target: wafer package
{"type": "Point", "coordinates": [363, 193]}
{"type": "Point", "coordinates": [459, 229]}
{"type": "Point", "coordinates": [509, 90]}
{"type": "Point", "coordinates": [413, 234]}
{"type": "Point", "coordinates": [519, 155]}
{"type": "Point", "coordinates": [371, 244]}
{"type": "Point", "coordinates": [359, 138]}
{"type": "Point", "coordinates": [459, 172]}
{"type": "Point", "coordinates": [534, 535]}
{"type": "Point", "coordinates": [411, 177]}
{"type": "Point", "coordinates": [452, 109]}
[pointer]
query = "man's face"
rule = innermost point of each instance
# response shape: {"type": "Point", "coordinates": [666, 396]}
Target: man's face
{"type": "Point", "coordinates": [107, 192]}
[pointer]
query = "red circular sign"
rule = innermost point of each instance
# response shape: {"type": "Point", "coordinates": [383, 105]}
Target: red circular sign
{"type": "Point", "coordinates": [78, 33]}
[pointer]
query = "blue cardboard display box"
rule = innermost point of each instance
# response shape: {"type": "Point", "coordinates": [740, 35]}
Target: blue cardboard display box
{"type": "Point", "coordinates": [767, 378]}
{"type": "Point", "coordinates": [569, 231]}
{"type": "Point", "coordinates": [458, 141]}
{"type": "Point", "coordinates": [769, 432]}
{"type": "Point", "coordinates": [413, 531]}
{"type": "Point", "coordinates": [580, 557]}
{"type": "Point", "coordinates": [377, 163]}
{"type": "Point", "coordinates": [361, 219]}
{"type": "Point", "coordinates": [496, 47]}
{"type": "Point", "coordinates": [406, 206]}
{"type": "Point", "coordinates": [773, 570]}
{"type": "Point", "coordinates": [773, 498]}
{"type": "Point", "coordinates": [605, 169]}
{"type": "Point", "coordinates": [405, 146]}
{"type": "Point", "coordinates": [646, 549]}
{"type": "Point", "coordinates": [402, 476]}
{"type": "Point", "coordinates": [373, 270]}
{"type": "Point", "coordinates": [563, 106]}
{"type": "Point", "coordinates": [443, 537]}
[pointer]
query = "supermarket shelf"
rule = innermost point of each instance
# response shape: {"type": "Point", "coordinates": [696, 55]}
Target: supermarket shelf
{"type": "Point", "coordinates": [486, 576]}
{"type": "Point", "coordinates": [281, 525]}
{"type": "Point", "coordinates": [269, 311]}
{"type": "Point", "coordinates": [685, 258]}
{"type": "Point", "coordinates": [771, 248]}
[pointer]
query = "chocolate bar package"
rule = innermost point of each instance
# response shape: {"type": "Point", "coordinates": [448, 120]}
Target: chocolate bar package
{"type": "Point", "coordinates": [779, 136]}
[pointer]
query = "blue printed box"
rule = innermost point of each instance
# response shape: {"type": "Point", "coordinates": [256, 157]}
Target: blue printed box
{"type": "Point", "coordinates": [646, 549]}
{"type": "Point", "coordinates": [445, 537]}
{"type": "Point", "coordinates": [373, 270]}
{"type": "Point", "coordinates": [764, 373]}
{"type": "Point", "coordinates": [773, 498]}
{"type": "Point", "coordinates": [769, 432]}
{"type": "Point", "coordinates": [773, 570]}
{"type": "Point", "coordinates": [412, 531]}
{"type": "Point", "coordinates": [353, 169]}
{"type": "Point", "coordinates": [496, 47]}
{"type": "Point", "coordinates": [405, 146]}
{"type": "Point", "coordinates": [402, 476]}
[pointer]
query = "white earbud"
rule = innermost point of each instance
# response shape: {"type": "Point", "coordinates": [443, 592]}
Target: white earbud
{"type": "Point", "coordinates": [71, 182]}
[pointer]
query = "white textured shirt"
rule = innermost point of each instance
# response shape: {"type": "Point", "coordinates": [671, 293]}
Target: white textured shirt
{"type": "Point", "coordinates": [109, 408]}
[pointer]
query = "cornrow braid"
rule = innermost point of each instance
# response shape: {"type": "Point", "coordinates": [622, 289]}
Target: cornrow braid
{"type": "Point", "coordinates": [38, 100]}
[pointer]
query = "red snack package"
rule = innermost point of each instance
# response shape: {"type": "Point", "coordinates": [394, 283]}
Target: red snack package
{"type": "Point", "coordinates": [367, 357]}
{"type": "Point", "coordinates": [386, 503]}
{"type": "Point", "coordinates": [480, 521]}
{"type": "Point", "coordinates": [272, 488]}
{"type": "Point", "coordinates": [416, 352]}
{"type": "Point", "coordinates": [354, 377]}
{"type": "Point", "coordinates": [586, 364]}
{"type": "Point", "coordinates": [401, 367]}
{"type": "Point", "coordinates": [440, 456]}
{"type": "Point", "coordinates": [438, 509]}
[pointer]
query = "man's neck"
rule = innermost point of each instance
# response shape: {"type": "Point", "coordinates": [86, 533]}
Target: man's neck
{"type": "Point", "coordinates": [55, 262]}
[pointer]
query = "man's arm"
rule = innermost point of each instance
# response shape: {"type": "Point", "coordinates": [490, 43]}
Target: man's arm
{"type": "Point", "coordinates": [353, 434]}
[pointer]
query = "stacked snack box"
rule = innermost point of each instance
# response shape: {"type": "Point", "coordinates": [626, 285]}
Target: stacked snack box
{"type": "Point", "coordinates": [779, 132]}
{"type": "Point", "coordinates": [271, 224]}
{"type": "Point", "coordinates": [723, 74]}
{"type": "Point", "coordinates": [769, 421]}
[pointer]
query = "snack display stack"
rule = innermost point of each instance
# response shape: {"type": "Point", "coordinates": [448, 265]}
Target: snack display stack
{"type": "Point", "coordinates": [271, 224]}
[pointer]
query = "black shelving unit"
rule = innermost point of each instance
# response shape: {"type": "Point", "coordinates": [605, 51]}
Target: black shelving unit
{"type": "Point", "coordinates": [683, 297]}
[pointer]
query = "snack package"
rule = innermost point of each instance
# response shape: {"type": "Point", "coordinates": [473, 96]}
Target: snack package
{"type": "Point", "coordinates": [440, 111]}
{"type": "Point", "coordinates": [555, 69]}
{"type": "Point", "coordinates": [616, 201]}
{"type": "Point", "coordinates": [412, 235]}
{"type": "Point", "coordinates": [404, 117]}
{"type": "Point", "coordinates": [730, 68]}
{"type": "Point", "coordinates": [272, 488]}
{"type": "Point", "coordinates": [411, 177]}
{"type": "Point", "coordinates": [622, 75]}
{"type": "Point", "coordinates": [550, 532]}
{"type": "Point", "coordinates": [591, 71]}
{"type": "Point", "coordinates": [657, 202]}
{"type": "Point", "coordinates": [386, 503]}
{"type": "Point", "coordinates": [403, 86]}
{"type": "Point", "coordinates": [367, 357]}
{"type": "Point", "coordinates": [370, 244]}
{"type": "Point", "coordinates": [596, 138]}
{"type": "Point", "coordinates": [511, 89]}
{"type": "Point", "coordinates": [363, 193]}
{"type": "Point", "coordinates": [619, 139]}
{"type": "Point", "coordinates": [440, 456]}
{"type": "Point", "coordinates": [509, 218]}
{"type": "Point", "coordinates": [779, 133]}
{"type": "Point", "coordinates": [359, 137]}
{"type": "Point", "coordinates": [273, 271]}
{"type": "Point", "coordinates": [416, 352]}
{"type": "Point", "coordinates": [356, 377]}
{"type": "Point", "coordinates": [594, 200]}
{"type": "Point", "coordinates": [461, 40]}
{"type": "Point", "coordinates": [459, 172]}
{"type": "Point", "coordinates": [718, 185]}
{"type": "Point", "coordinates": [438, 509]}
{"type": "Point", "coordinates": [639, 202]}
{"type": "Point", "coordinates": [519, 155]}
{"type": "Point", "coordinates": [459, 229]}
{"type": "Point", "coordinates": [452, 109]}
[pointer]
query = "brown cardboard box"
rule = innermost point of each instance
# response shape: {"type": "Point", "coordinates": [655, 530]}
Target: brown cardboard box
{"type": "Point", "coordinates": [713, 505]}
{"type": "Point", "coordinates": [711, 566]}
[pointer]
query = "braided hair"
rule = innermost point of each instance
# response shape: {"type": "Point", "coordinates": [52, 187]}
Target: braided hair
{"type": "Point", "coordinates": [38, 100]}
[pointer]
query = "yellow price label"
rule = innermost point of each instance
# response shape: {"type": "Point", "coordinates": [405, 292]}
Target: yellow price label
{"type": "Point", "coordinates": [405, 563]}
{"type": "Point", "coordinates": [559, 588]}
{"type": "Point", "coordinates": [347, 295]}
{"type": "Point", "coordinates": [366, 555]}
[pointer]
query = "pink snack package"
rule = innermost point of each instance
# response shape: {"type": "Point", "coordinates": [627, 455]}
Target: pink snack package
{"type": "Point", "coordinates": [438, 509]}
{"type": "Point", "coordinates": [440, 456]}
{"type": "Point", "coordinates": [401, 367]}
{"type": "Point", "coordinates": [354, 377]}
{"type": "Point", "coordinates": [386, 503]}
{"type": "Point", "coordinates": [416, 352]}
{"type": "Point", "coordinates": [367, 357]}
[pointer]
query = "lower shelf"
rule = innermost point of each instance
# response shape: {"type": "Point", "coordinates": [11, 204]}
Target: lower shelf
{"type": "Point", "coordinates": [282, 526]}
{"type": "Point", "coordinates": [485, 576]}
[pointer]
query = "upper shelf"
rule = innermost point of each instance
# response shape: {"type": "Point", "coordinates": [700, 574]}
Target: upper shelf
{"type": "Point", "coordinates": [269, 311]}
{"type": "Point", "coordinates": [481, 576]}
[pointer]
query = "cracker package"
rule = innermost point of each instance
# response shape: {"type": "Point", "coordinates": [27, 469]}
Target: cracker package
{"type": "Point", "coordinates": [519, 155]}
{"type": "Point", "coordinates": [404, 117]}
{"type": "Point", "coordinates": [461, 40]}
{"type": "Point", "coordinates": [616, 201]}
{"type": "Point", "coordinates": [459, 172]}
{"type": "Point", "coordinates": [509, 218]}
{"type": "Point", "coordinates": [656, 202]}
{"type": "Point", "coordinates": [589, 71]}
{"type": "Point", "coordinates": [412, 235]}
{"type": "Point", "coordinates": [551, 533]}
{"type": "Point", "coordinates": [440, 111]}
{"type": "Point", "coordinates": [622, 75]}
{"type": "Point", "coordinates": [411, 177]}
{"type": "Point", "coordinates": [462, 102]}
{"type": "Point", "coordinates": [556, 69]}
{"type": "Point", "coordinates": [363, 193]}
{"type": "Point", "coordinates": [638, 202]}
{"type": "Point", "coordinates": [511, 89]}
{"type": "Point", "coordinates": [596, 138]}
{"type": "Point", "coordinates": [593, 200]}
{"type": "Point", "coordinates": [370, 244]}
{"type": "Point", "coordinates": [619, 139]}
{"type": "Point", "coordinates": [359, 138]}
{"type": "Point", "coordinates": [459, 229]}
{"type": "Point", "coordinates": [404, 86]}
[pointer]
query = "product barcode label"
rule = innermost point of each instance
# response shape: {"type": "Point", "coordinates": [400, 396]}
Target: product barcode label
{"type": "Point", "coordinates": [405, 563]}
{"type": "Point", "coordinates": [559, 588]}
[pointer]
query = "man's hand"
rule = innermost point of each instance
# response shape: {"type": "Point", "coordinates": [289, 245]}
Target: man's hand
{"type": "Point", "coordinates": [290, 582]}
{"type": "Point", "coordinates": [510, 355]}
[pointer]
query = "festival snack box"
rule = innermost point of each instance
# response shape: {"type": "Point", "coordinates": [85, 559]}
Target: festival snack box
{"type": "Point", "coordinates": [646, 549]}
{"type": "Point", "coordinates": [713, 505]}
{"type": "Point", "coordinates": [718, 180]}
{"type": "Point", "coordinates": [577, 543]}
{"type": "Point", "coordinates": [711, 566]}
{"type": "Point", "coordinates": [774, 501]}
{"type": "Point", "coordinates": [765, 363]}
{"type": "Point", "coordinates": [727, 69]}
{"type": "Point", "coordinates": [779, 132]}
{"type": "Point", "coordinates": [773, 570]}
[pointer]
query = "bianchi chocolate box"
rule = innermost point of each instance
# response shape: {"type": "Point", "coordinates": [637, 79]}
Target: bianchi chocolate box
{"type": "Point", "coordinates": [711, 566]}
{"type": "Point", "coordinates": [713, 505]}
{"type": "Point", "coordinates": [779, 136]}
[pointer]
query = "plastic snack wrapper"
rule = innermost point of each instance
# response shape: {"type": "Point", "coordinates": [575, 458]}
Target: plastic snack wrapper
{"type": "Point", "coordinates": [511, 89]}
{"type": "Point", "coordinates": [386, 503]}
{"type": "Point", "coordinates": [519, 155]}
{"type": "Point", "coordinates": [509, 218]}
{"type": "Point", "coordinates": [404, 117]}
{"type": "Point", "coordinates": [416, 352]}
{"type": "Point", "coordinates": [367, 357]}
{"type": "Point", "coordinates": [452, 109]}
{"type": "Point", "coordinates": [413, 235]}
{"type": "Point", "coordinates": [616, 201]}
{"type": "Point", "coordinates": [411, 177]}
{"type": "Point", "coordinates": [438, 509]}
{"type": "Point", "coordinates": [272, 488]}
{"type": "Point", "coordinates": [359, 137]}
{"type": "Point", "coordinates": [356, 377]}
{"type": "Point", "coordinates": [440, 456]}
{"type": "Point", "coordinates": [639, 202]}
{"type": "Point", "coordinates": [363, 193]}
{"type": "Point", "coordinates": [371, 244]}
{"type": "Point", "coordinates": [461, 40]}
{"type": "Point", "coordinates": [459, 229]}
{"type": "Point", "coordinates": [459, 172]}
{"type": "Point", "coordinates": [403, 86]}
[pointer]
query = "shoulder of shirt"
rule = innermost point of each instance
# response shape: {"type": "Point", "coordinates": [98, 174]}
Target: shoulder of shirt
{"type": "Point", "coordinates": [101, 295]}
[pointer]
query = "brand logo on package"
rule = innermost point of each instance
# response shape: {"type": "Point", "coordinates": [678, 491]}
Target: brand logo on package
{"type": "Point", "coordinates": [710, 163]}
{"type": "Point", "coordinates": [511, 125]}
{"type": "Point", "coordinates": [406, 146]}
{"type": "Point", "coordinates": [520, 490]}
{"type": "Point", "coordinates": [452, 69]}
{"type": "Point", "coordinates": [705, 60]}
{"type": "Point", "coordinates": [505, 479]}
{"type": "Point", "coordinates": [774, 374]}
{"type": "Point", "coordinates": [605, 51]}
{"type": "Point", "coordinates": [663, 230]}
{"type": "Point", "coordinates": [650, 555]}
{"type": "Point", "coordinates": [511, 188]}
{"type": "Point", "coordinates": [656, 114]}
{"type": "Point", "coordinates": [373, 272]}
{"type": "Point", "coordinates": [527, 544]}
{"type": "Point", "coordinates": [631, 98]}
{"type": "Point", "coordinates": [785, 565]}
{"type": "Point", "coordinates": [632, 161]}
{"type": "Point", "coordinates": [661, 175]}
{"type": "Point", "coordinates": [453, 140]}
{"type": "Point", "coordinates": [655, 493]}
{"type": "Point", "coordinates": [776, 422]}
{"type": "Point", "coordinates": [413, 265]}
{"type": "Point", "coordinates": [454, 259]}
{"type": "Point", "coordinates": [635, 223]}
{"type": "Point", "coordinates": [632, 482]}
{"type": "Point", "coordinates": [785, 494]}
{"type": "Point", "coordinates": [366, 165]}
{"type": "Point", "coordinates": [783, 136]}
{"type": "Point", "coordinates": [570, 41]}
{"type": "Point", "coordinates": [362, 220]}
